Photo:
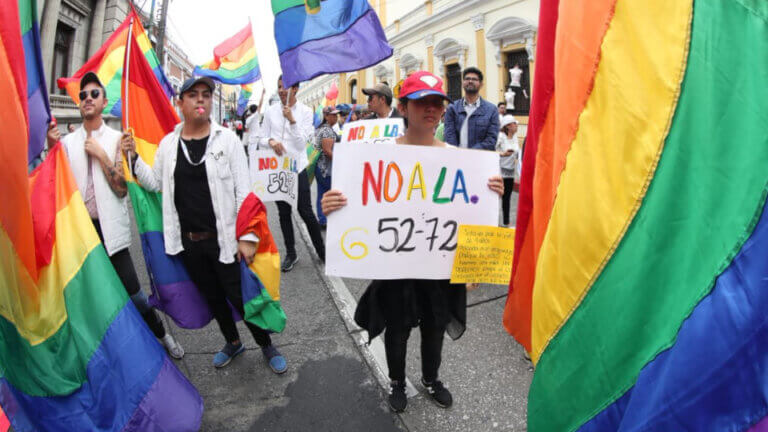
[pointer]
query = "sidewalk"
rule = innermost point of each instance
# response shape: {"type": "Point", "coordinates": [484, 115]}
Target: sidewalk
{"type": "Point", "coordinates": [334, 382]}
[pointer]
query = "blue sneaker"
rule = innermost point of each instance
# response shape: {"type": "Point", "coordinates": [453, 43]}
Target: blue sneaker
{"type": "Point", "coordinates": [225, 356]}
{"type": "Point", "coordinates": [275, 359]}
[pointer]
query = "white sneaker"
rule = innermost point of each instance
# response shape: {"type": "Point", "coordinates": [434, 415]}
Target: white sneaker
{"type": "Point", "coordinates": [174, 349]}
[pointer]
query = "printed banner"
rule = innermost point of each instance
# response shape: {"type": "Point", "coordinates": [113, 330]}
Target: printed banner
{"type": "Point", "coordinates": [274, 178]}
{"type": "Point", "coordinates": [404, 207]}
{"type": "Point", "coordinates": [484, 255]}
{"type": "Point", "coordinates": [372, 131]}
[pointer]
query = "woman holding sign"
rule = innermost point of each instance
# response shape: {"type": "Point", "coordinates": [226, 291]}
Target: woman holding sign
{"type": "Point", "coordinates": [397, 306]}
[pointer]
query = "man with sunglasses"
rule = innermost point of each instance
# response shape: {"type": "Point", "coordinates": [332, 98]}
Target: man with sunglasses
{"type": "Point", "coordinates": [94, 155]}
{"type": "Point", "coordinates": [380, 101]}
{"type": "Point", "coordinates": [472, 122]}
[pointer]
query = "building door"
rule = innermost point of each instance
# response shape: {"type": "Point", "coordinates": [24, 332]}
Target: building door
{"type": "Point", "coordinates": [522, 96]}
{"type": "Point", "coordinates": [453, 74]}
{"type": "Point", "coordinates": [61, 55]}
{"type": "Point", "coordinates": [353, 92]}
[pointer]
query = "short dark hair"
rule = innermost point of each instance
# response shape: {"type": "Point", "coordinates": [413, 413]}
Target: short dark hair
{"type": "Point", "coordinates": [472, 70]}
{"type": "Point", "coordinates": [500, 104]}
{"type": "Point", "coordinates": [387, 98]}
{"type": "Point", "coordinates": [253, 108]}
{"type": "Point", "coordinates": [280, 78]}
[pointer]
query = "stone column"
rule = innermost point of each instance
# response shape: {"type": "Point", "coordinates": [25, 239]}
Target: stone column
{"type": "Point", "coordinates": [97, 27]}
{"type": "Point", "coordinates": [48, 34]}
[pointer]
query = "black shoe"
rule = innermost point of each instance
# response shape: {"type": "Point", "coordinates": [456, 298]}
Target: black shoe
{"type": "Point", "coordinates": [288, 262]}
{"type": "Point", "coordinates": [439, 394]}
{"type": "Point", "coordinates": [397, 398]}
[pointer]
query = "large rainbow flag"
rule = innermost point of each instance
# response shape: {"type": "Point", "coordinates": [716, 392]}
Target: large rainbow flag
{"type": "Point", "coordinates": [234, 60]}
{"type": "Point", "coordinates": [640, 283]}
{"type": "Point", "coordinates": [74, 352]}
{"type": "Point", "coordinates": [108, 65]}
{"type": "Point", "coordinates": [37, 93]}
{"type": "Point", "coordinates": [315, 38]}
{"type": "Point", "coordinates": [260, 281]}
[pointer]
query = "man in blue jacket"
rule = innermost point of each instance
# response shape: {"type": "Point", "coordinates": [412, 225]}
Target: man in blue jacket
{"type": "Point", "coordinates": [472, 122]}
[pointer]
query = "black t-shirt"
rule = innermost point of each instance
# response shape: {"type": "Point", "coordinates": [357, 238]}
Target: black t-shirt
{"type": "Point", "coordinates": [192, 194]}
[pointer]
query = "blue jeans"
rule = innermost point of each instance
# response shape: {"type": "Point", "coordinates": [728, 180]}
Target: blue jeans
{"type": "Point", "coordinates": [323, 186]}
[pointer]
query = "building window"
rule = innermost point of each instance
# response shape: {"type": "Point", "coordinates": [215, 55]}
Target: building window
{"type": "Point", "coordinates": [453, 75]}
{"type": "Point", "coordinates": [516, 63]}
{"type": "Point", "coordinates": [61, 57]}
{"type": "Point", "coordinates": [353, 91]}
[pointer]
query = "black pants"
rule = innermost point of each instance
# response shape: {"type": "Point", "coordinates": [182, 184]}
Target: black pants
{"type": "Point", "coordinates": [219, 283]}
{"type": "Point", "coordinates": [396, 347]}
{"type": "Point", "coordinates": [123, 265]}
{"type": "Point", "coordinates": [304, 204]}
{"type": "Point", "coordinates": [509, 183]}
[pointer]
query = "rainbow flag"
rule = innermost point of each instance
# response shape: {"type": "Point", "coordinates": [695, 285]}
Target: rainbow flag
{"type": "Point", "coordinates": [150, 116]}
{"type": "Point", "coordinates": [640, 286]}
{"type": "Point", "coordinates": [108, 65]}
{"type": "Point", "coordinates": [234, 60]}
{"type": "Point", "coordinates": [260, 281]}
{"type": "Point", "coordinates": [37, 94]}
{"type": "Point", "coordinates": [315, 38]}
{"type": "Point", "coordinates": [246, 91]}
{"type": "Point", "coordinates": [74, 352]}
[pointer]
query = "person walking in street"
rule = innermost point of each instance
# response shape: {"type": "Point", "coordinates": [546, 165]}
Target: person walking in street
{"type": "Point", "coordinates": [397, 306]}
{"type": "Point", "coordinates": [509, 150]}
{"type": "Point", "coordinates": [326, 135]}
{"type": "Point", "coordinates": [201, 170]}
{"type": "Point", "coordinates": [472, 122]}
{"type": "Point", "coordinates": [94, 156]}
{"type": "Point", "coordinates": [287, 129]}
{"type": "Point", "coordinates": [380, 102]}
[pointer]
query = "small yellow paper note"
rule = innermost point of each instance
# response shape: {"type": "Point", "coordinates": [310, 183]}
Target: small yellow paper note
{"type": "Point", "coordinates": [484, 255]}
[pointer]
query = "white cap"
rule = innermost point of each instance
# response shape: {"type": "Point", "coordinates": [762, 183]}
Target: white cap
{"type": "Point", "coordinates": [507, 119]}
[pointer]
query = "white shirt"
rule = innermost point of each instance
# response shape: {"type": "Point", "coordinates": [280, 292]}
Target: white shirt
{"type": "Point", "coordinates": [464, 133]}
{"type": "Point", "coordinates": [294, 137]}
{"type": "Point", "coordinates": [253, 129]}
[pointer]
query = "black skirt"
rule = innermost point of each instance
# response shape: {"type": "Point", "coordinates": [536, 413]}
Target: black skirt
{"type": "Point", "coordinates": [402, 304]}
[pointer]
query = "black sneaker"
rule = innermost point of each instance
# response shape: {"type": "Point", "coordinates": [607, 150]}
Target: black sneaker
{"type": "Point", "coordinates": [397, 398]}
{"type": "Point", "coordinates": [439, 394]}
{"type": "Point", "coordinates": [288, 262]}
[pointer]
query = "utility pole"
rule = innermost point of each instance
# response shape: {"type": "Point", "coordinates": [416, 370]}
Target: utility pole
{"type": "Point", "coordinates": [161, 34]}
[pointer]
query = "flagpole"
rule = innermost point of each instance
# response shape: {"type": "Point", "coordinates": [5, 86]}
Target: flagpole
{"type": "Point", "coordinates": [126, 72]}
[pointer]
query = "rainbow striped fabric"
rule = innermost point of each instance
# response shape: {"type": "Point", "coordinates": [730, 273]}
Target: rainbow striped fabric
{"type": "Point", "coordinates": [74, 352]}
{"type": "Point", "coordinates": [639, 285]}
{"type": "Point", "coordinates": [246, 91]}
{"type": "Point", "coordinates": [260, 281]}
{"type": "Point", "coordinates": [108, 65]}
{"type": "Point", "coordinates": [37, 94]}
{"type": "Point", "coordinates": [234, 60]}
{"type": "Point", "coordinates": [315, 38]}
{"type": "Point", "coordinates": [150, 116]}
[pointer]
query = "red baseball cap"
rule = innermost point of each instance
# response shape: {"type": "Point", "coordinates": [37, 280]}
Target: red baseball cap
{"type": "Point", "coordinates": [422, 84]}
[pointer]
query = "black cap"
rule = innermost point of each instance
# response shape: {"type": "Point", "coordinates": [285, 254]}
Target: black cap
{"type": "Point", "coordinates": [191, 82]}
{"type": "Point", "coordinates": [90, 77]}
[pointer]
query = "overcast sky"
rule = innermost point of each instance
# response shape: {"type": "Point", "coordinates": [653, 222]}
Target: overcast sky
{"type": "Point", "coordinates": [197, 26]}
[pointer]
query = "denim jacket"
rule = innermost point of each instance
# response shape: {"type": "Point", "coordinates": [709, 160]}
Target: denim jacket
{"type": "Point", "coordinates": [483, 128]}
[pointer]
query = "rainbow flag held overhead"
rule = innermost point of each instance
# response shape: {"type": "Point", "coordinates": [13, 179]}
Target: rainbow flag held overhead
{"type": "Point", "coordinates": [315, 38]}
{"type": "Point", "coordinates": [234, 60]}
{"type": "Point", "coordinates": [640, 283]}
{"type": "Point", "coordinates": [150, 116]}
{"type": "Point", "coordinates": [260, 281]}
{"type": "Point", "coordinates": [246, 91]}
{"type": "Point", "coordinates": [37, 94]}
{"type": "Point", "coordinates": [108, 65]}
{"type": "Point", "coordinates": [74, 352]}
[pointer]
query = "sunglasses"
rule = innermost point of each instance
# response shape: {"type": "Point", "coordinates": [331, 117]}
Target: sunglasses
{"type": "Point", "coordinates": [94, 94]}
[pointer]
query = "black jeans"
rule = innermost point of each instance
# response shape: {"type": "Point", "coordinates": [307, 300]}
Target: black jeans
{"type": "Point", "coordinates": [123, 265]}
{"type": "Point", "coordinates": [304, 204]}
{"type": "Point", "coordinates": [396, 347]}
{"type": "Point", "coordinates": [509, 183]}
{"type": "Point", "coordinates": [219, 283]}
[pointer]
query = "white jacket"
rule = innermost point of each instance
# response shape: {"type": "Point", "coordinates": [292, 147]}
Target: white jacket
{"type": "Point", "coordinates": [227, 171]}
{"type": "Point", "coordinates": [113, 211]}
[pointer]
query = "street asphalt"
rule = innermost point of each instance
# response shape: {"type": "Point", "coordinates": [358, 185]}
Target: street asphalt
{"type": "Point", "coordinates": [335, 381]}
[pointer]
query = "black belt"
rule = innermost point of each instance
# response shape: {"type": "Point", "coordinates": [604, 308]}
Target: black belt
{"type": "Point", "coordinates": [199, 236]}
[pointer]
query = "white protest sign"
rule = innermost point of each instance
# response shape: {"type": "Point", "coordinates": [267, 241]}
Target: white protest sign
{"type": "Point", "coordinates": [273, 178]}
{"type": "Point", "coordinates": [404, 207]}
{"type": "Point", "coordinates": [372, 131]}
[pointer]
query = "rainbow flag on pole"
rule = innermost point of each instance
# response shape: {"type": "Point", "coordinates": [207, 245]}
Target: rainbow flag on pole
{"type": "Point", "coordinates": [246, 90]}
{"type": "Point", "coordinates": [234, 60]}
{"type": "Point", "coordinates": [315, 38]}
{"type": "Point", "coordinates": [74, 352]}
{"type": "Point", "coordinates": [108, 65]}
{"type": "Point", "coordinates": [640, 282]}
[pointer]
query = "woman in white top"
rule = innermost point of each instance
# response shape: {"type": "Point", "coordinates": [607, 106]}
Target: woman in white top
{"type": "Point", "coordinates": [509, 149]}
